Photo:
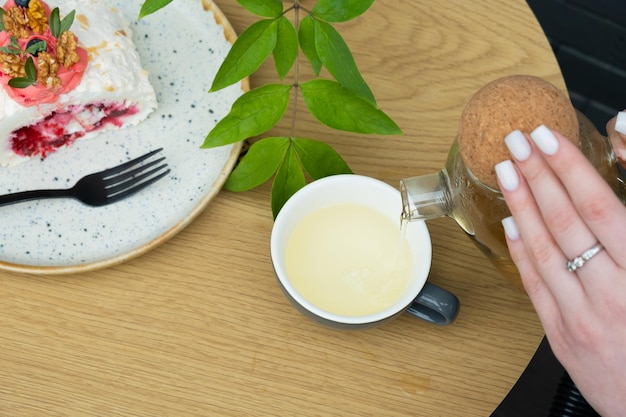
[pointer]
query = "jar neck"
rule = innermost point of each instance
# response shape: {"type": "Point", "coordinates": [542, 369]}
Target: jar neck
{"type": "Point", "coordinates": [424, 197]}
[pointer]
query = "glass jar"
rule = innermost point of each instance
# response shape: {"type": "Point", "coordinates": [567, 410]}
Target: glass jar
{"type": "Point", "coordinates": [479, 209]}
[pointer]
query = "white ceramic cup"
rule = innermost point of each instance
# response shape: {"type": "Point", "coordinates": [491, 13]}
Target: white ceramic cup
{"type": "Point", "coordinates": [421, 298]}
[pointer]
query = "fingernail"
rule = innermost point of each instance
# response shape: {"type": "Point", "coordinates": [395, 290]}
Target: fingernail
{"type": "Point", "coordinates": [620, 124]}
{"type": "Point", "coordinates": [518, 145]}
{"type": "Point", "coordinates": [510, 228]}
{"type": "Point", "coordinates": [545, 140]}
{"type": "Point", "coordinates": [507, 175]}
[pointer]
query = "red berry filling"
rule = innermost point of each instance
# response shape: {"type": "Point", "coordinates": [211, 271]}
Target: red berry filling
{"type": "Point", "coordinates": [64, 127]}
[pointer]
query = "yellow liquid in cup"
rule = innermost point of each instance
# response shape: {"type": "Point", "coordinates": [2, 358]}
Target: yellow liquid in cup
{"type": "Point", "coordinates": [349, 260]}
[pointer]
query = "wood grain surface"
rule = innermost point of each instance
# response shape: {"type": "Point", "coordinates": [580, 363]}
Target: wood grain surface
{"type": "Point", "coordinates": [199, 326]}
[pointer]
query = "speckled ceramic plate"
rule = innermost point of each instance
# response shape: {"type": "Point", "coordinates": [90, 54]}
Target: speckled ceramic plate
{"type": "Point", "coordinates": [182, 47]}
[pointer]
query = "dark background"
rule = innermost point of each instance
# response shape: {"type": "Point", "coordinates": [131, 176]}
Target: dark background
{"type": "Point", "coordinates": [588, 38]}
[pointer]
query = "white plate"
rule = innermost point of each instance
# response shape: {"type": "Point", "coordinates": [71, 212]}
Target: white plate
{"type": "Point", "coordinates": [182, 47]}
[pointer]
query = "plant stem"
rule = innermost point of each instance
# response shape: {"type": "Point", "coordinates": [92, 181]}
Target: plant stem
{"type": "Point", "coordinates": [296, 7]}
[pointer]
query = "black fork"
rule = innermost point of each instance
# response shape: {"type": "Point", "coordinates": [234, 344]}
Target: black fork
{"type": "Point", "coordinates": [105, 187]}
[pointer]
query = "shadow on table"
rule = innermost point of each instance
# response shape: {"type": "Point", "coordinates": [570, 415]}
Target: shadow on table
{"type": "Point", "coordinates": [544, 389]}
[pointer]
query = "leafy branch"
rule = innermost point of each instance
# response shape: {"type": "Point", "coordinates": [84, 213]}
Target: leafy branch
{"type": "Point", "coordinates": [345, 103]}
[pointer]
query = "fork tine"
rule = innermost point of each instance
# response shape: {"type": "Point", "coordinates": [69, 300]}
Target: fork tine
{"type": "Point", "coordinates": [123, 176]}
{"type": "Point", "coordinates": [136, 188]}
{"type": "Point", "coordinates": [126, 165]}
{"type": "Point", "coordinates": [122, 191]}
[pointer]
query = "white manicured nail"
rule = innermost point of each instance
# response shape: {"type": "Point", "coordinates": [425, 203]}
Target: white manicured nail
{"type": "Point", "coordinates": [507, 175]}
{"type": "Point", "coordinates": [510, 228]}
{"type": "Point", "coordinates": [545, 140]}
{"type": "Point", "coordinates": [518, 145]}
{"type": "Point", "coordinates": [620, 124]}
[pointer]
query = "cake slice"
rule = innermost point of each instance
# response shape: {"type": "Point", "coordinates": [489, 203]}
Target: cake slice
{"type": "Point", "coordinates": [69, 70]}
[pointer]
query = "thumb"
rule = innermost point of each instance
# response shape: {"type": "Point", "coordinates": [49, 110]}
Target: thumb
{"type": "Point", "coordinates": [616, 130]}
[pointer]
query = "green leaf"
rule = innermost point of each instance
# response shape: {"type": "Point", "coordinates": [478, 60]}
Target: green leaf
{"type": "Point", "coordinates": [253, 113]}
{"type": "Point", "coordinates": [31, 71]}
{"type": "Point", "coordinates": [340, 10]}
{"type": "Point", "coordinates": [1, 19]}
{"type": "Point", "coordinates": [247, 54]}
{"type": "Point", "coordinates": [306, 36]}
{"type": "Point", "coordinates": [39, 46]}
{"type": "Point", "coordinates": [265, 8]}
{"type": "Point", "coordinates": [339, 108]}
{"type": "Point", "coordinates": [286, 49]}
{"type": "Point", "coordinates": [67, 21]}
{"type": "Point", "coordinates": [319, 159]}
{"type": "Point", "coordinates": [258, 165]}
{"type": "Point", "coordinates": [58, 26]}
{"type": "Point", "coordinates": [55, 22]}
{"type": "Point", "coordinates": [21, 82]}
{"type": "Point", "coordinates": [289, 179]}
{"type": "Point", "coordinates": [151, 6]}
{"type": "Point", "coordinates": [337, 58]}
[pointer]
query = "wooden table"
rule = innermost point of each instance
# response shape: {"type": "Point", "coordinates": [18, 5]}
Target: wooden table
{"type": "Point", "coordinates": [199, 327]}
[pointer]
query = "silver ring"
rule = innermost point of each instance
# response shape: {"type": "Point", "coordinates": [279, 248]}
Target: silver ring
{"type": "Point", "coordinates": [579, 261]}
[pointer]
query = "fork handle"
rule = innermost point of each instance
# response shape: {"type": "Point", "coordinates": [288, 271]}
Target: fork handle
{"type": "Point", "coordinates": [32, 195]}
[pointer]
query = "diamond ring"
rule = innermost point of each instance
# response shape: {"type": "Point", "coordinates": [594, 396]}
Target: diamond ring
{"type": "Point", "coordinates": [579, 261]}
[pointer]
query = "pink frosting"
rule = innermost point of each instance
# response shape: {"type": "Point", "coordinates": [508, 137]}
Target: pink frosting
{"type": "Point", "coordinates": [38, 94]}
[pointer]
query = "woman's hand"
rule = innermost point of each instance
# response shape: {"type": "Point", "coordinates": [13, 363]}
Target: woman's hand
{"type": "Point", "coordinates": [561, 207]}
{"type": "Point", "coordinates": [616, 130]}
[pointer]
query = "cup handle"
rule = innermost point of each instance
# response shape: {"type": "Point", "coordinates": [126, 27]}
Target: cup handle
{"type": "Point", "coordinates": [435, 305]}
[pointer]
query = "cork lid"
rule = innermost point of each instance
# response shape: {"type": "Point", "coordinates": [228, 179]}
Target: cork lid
{"type": "Point", "coordinates": [517, 102]}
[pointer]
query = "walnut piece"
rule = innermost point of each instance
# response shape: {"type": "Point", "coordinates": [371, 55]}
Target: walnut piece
{"type": "Point", "coordinates": [47, 68]}
{"type": "Point", "coordinates": [15, 23]}
{"type": "Point", "coordinates": [37, 19]}
{"type": "Point", "coordinates": [66, 49]}
{"type": "Point", "coordinates": [12, 65]}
